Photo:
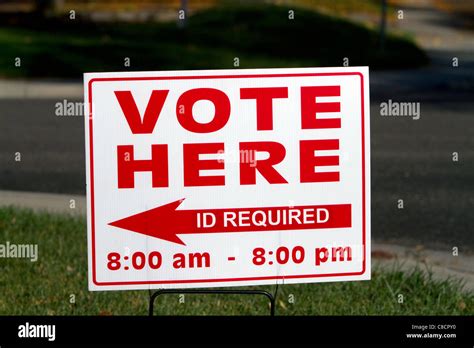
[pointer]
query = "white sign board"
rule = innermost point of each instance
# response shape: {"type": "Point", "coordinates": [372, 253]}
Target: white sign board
{"type": "Point", "coordinates": [227, 177]}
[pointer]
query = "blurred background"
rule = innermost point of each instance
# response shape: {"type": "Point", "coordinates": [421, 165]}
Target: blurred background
{"type": "Point", "coordinates": [418, 51]}
{"type": "Point", "coordinates": [410, 47]}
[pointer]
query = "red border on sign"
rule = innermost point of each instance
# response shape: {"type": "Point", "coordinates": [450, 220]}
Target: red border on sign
{"type": "Point", "coordinates": [91, 167]}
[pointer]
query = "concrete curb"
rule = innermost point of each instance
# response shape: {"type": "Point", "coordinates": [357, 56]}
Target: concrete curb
{"type": "Point", "coordinates": [45, 202]}
{"type": "Point", "coordinates": [441, 263]}
{"type": "Point", "coordinates": [25, 89]}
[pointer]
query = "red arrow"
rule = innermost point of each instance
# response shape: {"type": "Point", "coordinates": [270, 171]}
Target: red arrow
{"type": "Point", "coordinates": [165, 222]}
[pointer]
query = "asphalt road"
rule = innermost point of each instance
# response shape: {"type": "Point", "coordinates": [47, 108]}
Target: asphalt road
{"type": "Point", "coordinates": [411, 159]}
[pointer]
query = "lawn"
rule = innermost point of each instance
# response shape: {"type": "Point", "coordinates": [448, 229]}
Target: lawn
{"type": "Point", "coordinates": [260, 37]}
{"type": "Point", "coordinates": [45, 287]}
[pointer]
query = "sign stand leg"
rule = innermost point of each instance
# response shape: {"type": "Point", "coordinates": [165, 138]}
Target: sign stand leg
{"type": "Point", "coordinates": [268, 295]}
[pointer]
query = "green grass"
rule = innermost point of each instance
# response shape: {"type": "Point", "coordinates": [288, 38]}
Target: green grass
{"type": "Point", "coordinates": [45, 286]}
{"type": "Point", "coordinates": [260, 37]}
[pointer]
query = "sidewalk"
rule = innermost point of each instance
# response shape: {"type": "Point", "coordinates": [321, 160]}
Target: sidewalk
{"type": "Point", "coordinates": [45, 202]}
{"type": "Point", "coordinates": [32, 89]}
{"type": "Point", "coordinates": [441, 263]}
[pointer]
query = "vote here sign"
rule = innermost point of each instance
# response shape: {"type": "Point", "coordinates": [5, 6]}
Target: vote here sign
{"type": "Point", "coordinates": [227, 177]}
